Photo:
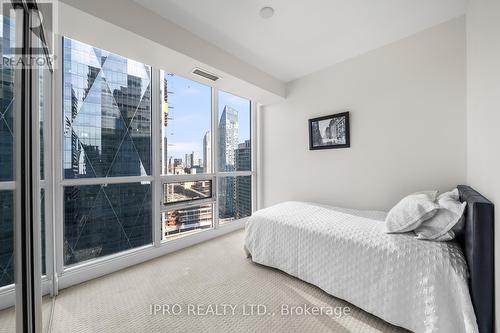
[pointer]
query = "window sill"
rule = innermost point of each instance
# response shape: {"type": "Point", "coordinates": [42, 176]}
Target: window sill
{"type": "Point", "coordinates": [107, 265]}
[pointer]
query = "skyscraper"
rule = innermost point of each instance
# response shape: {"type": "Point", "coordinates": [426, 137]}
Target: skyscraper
{"type": "Point", "coordinates": [207, 152]}
{"type": "Point", "coordinates": [243, 156]}
{"type": "Point", "coordinates": [169, 168]}
{"type": "Point", "coordinates": [243, 185]}
{"type": "Point", "coordinates": [228, 143]}
{"type": "Point", "coordinates": [228, 138]}
{"type": "Point", "coordinates": [194, 159]}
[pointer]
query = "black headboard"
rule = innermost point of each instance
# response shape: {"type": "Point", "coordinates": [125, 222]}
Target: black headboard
{"type": "Point", "coordinates": [477, 242]}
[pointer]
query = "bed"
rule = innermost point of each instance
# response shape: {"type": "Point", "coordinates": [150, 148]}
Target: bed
{"type": "Point", "coordinates": [422, 286]}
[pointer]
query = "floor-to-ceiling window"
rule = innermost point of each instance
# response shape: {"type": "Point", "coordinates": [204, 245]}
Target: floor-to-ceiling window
{"type": "Point", "coordinates": [107, 153]}
{"type": "Point", "coordinates": [204, 144]}
{"type": "Point", "coordinates": [206, 156]}
{"type": "Point", "coordinates": [186, 156]}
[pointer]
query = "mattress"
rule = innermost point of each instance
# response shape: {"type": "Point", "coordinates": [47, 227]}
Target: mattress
{"type": "Point", "coordinates": [418, 285]}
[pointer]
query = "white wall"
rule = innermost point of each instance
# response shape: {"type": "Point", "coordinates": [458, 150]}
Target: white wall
{"type": "Point", "coordinates": [408, 112]}
{"type": "Point", "coordinates": [483, 108]}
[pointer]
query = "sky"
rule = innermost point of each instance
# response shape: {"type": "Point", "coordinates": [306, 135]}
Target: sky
{"type": "Point", "coordinates": [190, 113]}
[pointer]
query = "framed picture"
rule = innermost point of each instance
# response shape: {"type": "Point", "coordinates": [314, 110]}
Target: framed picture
{"type": "Point", "coordinates": [329, 132]}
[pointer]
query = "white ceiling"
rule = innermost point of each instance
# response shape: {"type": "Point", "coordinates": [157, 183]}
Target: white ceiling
{"type": "Point", "coordinates": [303, 36]}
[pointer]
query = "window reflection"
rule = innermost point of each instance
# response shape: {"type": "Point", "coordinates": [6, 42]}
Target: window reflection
{"type": "Point", "coordinates": [107, 113]}
{"type": "Point", "coordinates": [6, 102]}
{"type": "Point", "coordinates": [6, 238]}
{"type": "Point", "coordinates": [107, 133]}
{"type": "Point", "coordinates": [104, 219]}
{"type": "Point", "coordinates": [7, 32]}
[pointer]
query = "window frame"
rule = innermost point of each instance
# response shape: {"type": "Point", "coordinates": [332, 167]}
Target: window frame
{"type": "Point", "coordinates": [65, 276]}
{"type": "Point", "coordinates": [165, 179]}
{"type": "Point", "coordinates": [216, 174]}
{"type": "Point", "coordinates": [253, 144]}
{"type": "Point", "coordinates": [61, 182]}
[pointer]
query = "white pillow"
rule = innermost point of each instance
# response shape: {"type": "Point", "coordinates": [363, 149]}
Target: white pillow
{"type": "Point", "coordinates": [449, 215]}
{"type": "Point", "coordinates": [460, 225]}
{"type": "Point", "coordinates": [453, 194]}
{"type": "Point", "coordinates": [411, 211]}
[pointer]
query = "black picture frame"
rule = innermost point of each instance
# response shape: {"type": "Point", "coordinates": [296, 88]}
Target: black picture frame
{"type": "Point", "coordinates": [340, 121]}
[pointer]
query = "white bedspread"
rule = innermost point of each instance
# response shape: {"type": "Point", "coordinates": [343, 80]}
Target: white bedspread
{"type": "Point", "coordinates": [418, 285]}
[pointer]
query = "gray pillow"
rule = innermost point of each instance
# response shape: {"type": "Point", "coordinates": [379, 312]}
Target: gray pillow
{"type": "Point", "coordinates": [448, 217]}
{"type": "Point", "coordinates": [411, 211]}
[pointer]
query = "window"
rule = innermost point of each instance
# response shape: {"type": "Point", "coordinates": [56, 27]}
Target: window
{"type": "Point", "coordinates": [187, 164]}
{"type": "Point", "coordinates": [105, 219]}
{"type": "Point", "coordinates": [235, 157]}
{"type": "Point", "coordinates": [187, 191]}
{"type": "Point", "coordinates": [107, 114]}
{"type": "Point", "coordinates": [186, 130]}
{"type": "Point", "coordinates": [186, 153]}
{"type": "Point", "coordinates": [107, 134]}
{"type": "Point", "coordinates": [6, 157]}
{"type": "Point", "coordinates": [189, 196]}
{"type": "Point", "coordinates": [181, 220]}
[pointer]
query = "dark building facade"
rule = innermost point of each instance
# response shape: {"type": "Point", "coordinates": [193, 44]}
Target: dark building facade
{"type": "Point", "coordinates": [6, 158]}
{"type": "Point", "coordinates": [243, 184]}
{"type": "Point", "coordinates": [107, 118]}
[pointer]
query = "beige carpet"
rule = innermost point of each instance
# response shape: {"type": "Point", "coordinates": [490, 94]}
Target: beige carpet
{"type": "Point", "coordinates": [8, 317]}
{"type": "Point", "coordinates": [214, 272]}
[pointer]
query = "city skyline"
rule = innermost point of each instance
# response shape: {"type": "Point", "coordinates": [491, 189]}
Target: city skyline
{"type": "Point", "coordinates": [187, 149]}
{"type": "Point", "coordinates": [106, 103]}
{"type": "Point", "coordinates": [189, 114]}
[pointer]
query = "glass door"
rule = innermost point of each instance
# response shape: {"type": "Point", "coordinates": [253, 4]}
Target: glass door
{"type": "Point", "coordinates": [25, 102]}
